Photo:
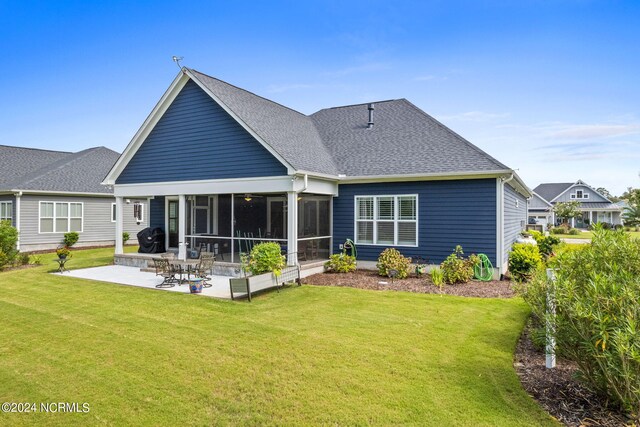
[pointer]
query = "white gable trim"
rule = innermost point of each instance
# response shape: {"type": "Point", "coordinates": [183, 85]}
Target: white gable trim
{"type": "Point", "coordinates": [578, 184]}
{"type": "Point", "coordinates": [156, 114]}
{"type": "Point", "coordinates": [146, 128]}
{"type": "Point", "coordinates": [290, 169]}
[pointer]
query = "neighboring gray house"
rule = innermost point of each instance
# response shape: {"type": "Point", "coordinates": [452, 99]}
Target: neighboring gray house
{"type": "Point", "coordinates": [594, 206]}
{"type": "Point", "coordinates": [47, 193]}
{"type": "Point", "coordinates": [233, 168]}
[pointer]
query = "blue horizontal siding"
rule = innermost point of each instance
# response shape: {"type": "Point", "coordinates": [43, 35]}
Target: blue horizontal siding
{"type": "Point", "coordinates": [450, 213]}
{"type": "Point", "coordinates": [195, 140]}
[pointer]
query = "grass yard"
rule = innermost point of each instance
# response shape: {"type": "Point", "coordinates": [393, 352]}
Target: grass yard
{"type": "Point", "coordinates": [306, 355]}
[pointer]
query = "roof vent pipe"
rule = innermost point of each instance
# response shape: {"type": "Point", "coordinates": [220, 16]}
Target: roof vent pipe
{"type": "Point", "coordinates": [371, 107]}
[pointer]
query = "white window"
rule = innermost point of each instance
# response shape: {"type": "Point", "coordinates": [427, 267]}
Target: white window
{"type": "Point", "coordinates": [386, 220]}
{"type": "Point", "coordinates": [113, 212]}
{"type": "Point", "coordinates": [60, 217]}
{"type": "Point", "coordinates": [6, 211]}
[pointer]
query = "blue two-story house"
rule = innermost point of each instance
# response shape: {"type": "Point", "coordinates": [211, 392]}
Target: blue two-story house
{"type": "Point", "coordinates": [224, 168]}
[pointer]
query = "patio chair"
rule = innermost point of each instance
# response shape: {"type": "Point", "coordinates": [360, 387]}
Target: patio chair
{"type": "Point", "coordinates": [203, 269]}
{"type": "Point", "coordinates": [164, 270]}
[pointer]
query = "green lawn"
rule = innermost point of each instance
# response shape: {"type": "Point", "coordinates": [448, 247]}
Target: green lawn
{"type": "Point", "coordinates": [306, 355]}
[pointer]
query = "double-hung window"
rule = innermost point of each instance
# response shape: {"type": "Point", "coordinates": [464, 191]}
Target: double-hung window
{"type": "Point", "coordinates": [386, 220]}
{"type": "Point", "coordinates": [6, 211]}
{"type": "Point", "coordinates": [60, 217]}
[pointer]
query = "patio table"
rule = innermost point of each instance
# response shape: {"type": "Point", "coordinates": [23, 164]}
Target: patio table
{"type": "Point", "coordinates": [183, 267]}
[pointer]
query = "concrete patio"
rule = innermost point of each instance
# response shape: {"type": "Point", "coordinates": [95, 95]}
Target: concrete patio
{"type": "Point", "coordinates": [132, 276]}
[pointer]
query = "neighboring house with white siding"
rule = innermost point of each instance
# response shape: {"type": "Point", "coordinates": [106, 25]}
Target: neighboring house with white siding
{"type": "Point", "coordinates": [594, 206]}
{"type": "Point", "coordinates": [46, 193]}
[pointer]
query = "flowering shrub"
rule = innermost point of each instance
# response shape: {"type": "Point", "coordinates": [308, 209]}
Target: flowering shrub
{"type": "Point", "coordinates": [392, 259]}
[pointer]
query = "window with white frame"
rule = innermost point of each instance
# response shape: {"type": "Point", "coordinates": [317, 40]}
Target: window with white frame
{"type": "Point", "coordinates": [60, 217]}
{"type": "Point", "coordinates": [580, 194]}
{"type": "Point", "coordinates": [113, 212]}
{"type": "Point", "coordinates": [386, 220]}
{"type": "Point", "coordinates": [6, 211]}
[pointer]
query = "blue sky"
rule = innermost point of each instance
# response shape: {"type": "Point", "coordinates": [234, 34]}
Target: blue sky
{"type": "Point", "coordinates": [548, 87]}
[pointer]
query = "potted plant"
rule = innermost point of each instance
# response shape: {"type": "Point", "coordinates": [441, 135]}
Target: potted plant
{"type": "Point", "coordinates": [63, 252]}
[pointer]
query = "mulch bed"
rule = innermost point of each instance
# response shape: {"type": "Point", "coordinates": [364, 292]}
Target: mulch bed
{"type": "Point", "coordinates": [558, 392]}
{"type": "Point", "coordinates": [368, 279]}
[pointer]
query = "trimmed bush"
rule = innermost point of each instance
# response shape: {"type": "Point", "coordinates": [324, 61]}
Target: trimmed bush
{"type": "Point", "coordinates": [392, 259]}
{"type": "Point", "coordinates": [573, 232]}
{"type": "Point", "coordinates": [125, 237]}
{"type": "Point", "coordinates": [266, 257]}
{"type": "Point", "coordinates": [524, 260]}
{"type": "Point", "coordinates": [8, 241]}
{"type": "Point", "coordinates": [546, 244]}
{"type": "Point", "coordinates": [70, 238]}
{"type": "Point", "coordinates": [341, 263]}
{"type": "Point", "coordinates": [457, 269]}
{"type": "Point", "coordinates": [597, 290]}
{"type": "Point", "coordinates": [558, 230]}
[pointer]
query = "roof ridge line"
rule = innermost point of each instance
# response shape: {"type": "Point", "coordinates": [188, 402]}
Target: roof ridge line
{"type": "Point", "coordinates": [59, 164]}
{"type": "Point", "coordinates": [249, 92]}
{"type": "Point", "coordinates": [442, 126]}
{"type": "Point", "coordinates": [36, 149]}
{"type": "Point", "coordinates": [358, 104]}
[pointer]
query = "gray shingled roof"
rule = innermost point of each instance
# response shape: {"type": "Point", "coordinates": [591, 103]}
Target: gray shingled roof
{"type": "Point", "coordinates": [404, 139]}
{"type": "Point", "coordinates": [41, 170]}
{"type": "Point", "coordinates": [15, 162]}
{"type": "Point", "coordinates": [552, 190]}
{"type": "Point", "coordinates": [290, 133]}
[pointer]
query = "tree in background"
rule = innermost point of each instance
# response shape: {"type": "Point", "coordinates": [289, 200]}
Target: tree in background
{"type": "Point", "coordinates": [604, 192]}
{"type": "Point", "coordinates": [631, 215]}
{"type": "Point", "coordinates": [567, 210]}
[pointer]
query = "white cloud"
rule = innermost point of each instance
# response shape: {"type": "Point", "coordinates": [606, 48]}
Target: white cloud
{"type": "Point", "coordinates": [594, 131]}
{"type": "Point", "coordinates": [474, 116]}
{"type": "Point", "coordinates": [274, 88]}
{"type": "Point", "coordinates": [364, 68]}
{"type": "Point", "coordinates": [425, 78]}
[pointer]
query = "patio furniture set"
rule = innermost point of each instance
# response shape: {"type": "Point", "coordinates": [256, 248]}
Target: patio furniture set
{"type": "Point", "coordinates": [193, 272]}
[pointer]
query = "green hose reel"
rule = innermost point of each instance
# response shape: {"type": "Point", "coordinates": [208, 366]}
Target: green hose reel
{"type": "Point", "coordinates": [484, 269]}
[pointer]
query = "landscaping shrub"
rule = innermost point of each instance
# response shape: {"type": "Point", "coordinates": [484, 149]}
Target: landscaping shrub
{"type": "Point", "coordinates": [125, 237]}
{"type": "Point", "coordinates": [524, 260]}
{"type": "Point", "coordinates": [457, 269]}
{"type": "Point", "coordinates": [70, 238]}
{"type": "Point", "coordinates": [597, 290]}
{"type": "Point", "coordinates": [8, 241]}
{"type": "Point", "coordinates": [573, 232]}
{"type": "Point", "coordinates": [392, 259]}
{"type": "Point", "coordinates": [558, 230]}
{"type": "Point", "coordinates": [546, 244]}
{"type": "Point", "coordinates": [23, 258]}
{"type": "Point", "coordinates": [341, 263]}
{"type": "Point", "coordinates": [266, 257]}
{"type": "Point", "coordinates": [437, 277]}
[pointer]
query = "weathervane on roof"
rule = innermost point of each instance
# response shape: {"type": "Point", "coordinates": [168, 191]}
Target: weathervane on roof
{"type": "Point", "coordinates": [177, 60]}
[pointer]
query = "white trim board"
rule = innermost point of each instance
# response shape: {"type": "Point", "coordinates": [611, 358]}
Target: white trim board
{"type": "Point", "coordinates": [277, 184]}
